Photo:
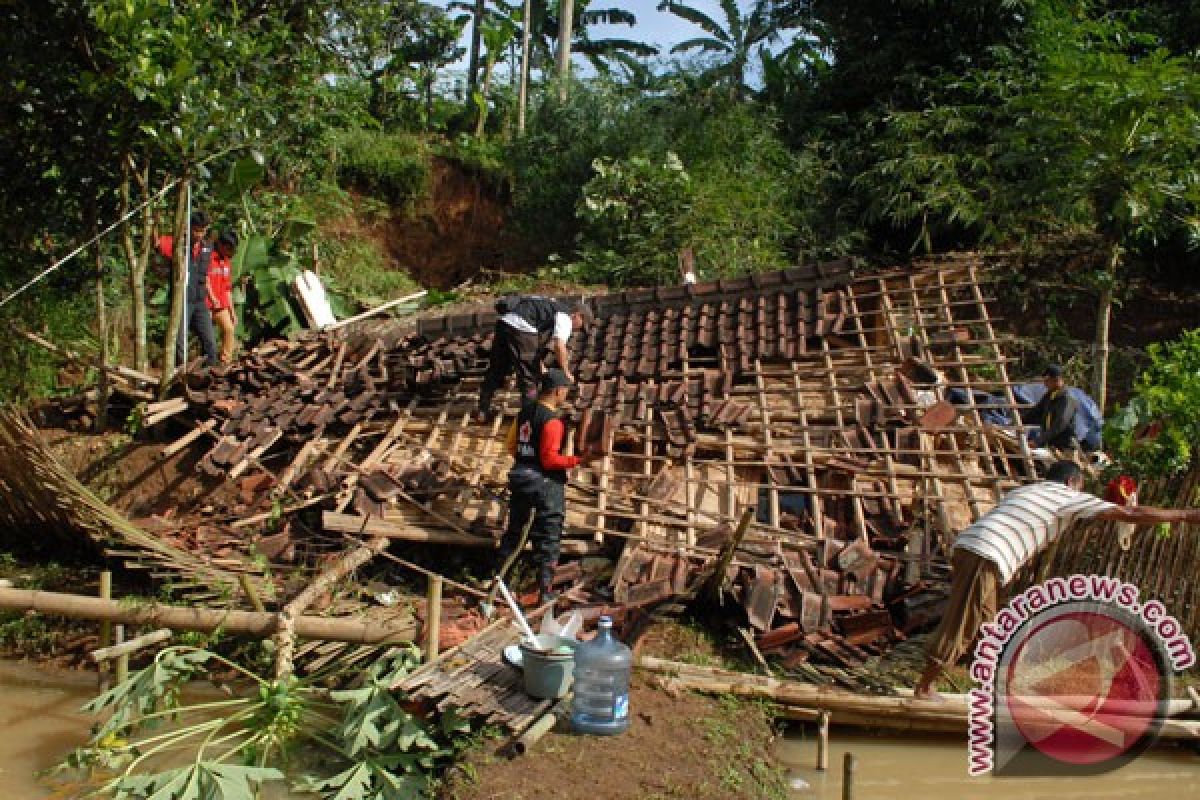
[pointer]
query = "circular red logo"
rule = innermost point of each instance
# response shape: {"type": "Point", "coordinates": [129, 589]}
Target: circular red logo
{"type": "Point", "coordinates": [1084, 687]}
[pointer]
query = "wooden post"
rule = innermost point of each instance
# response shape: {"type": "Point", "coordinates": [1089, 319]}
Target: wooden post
{"type": "Point", "coordinates": [823, 741]}
{"type": "Point", "coordinates": [848, 777]}
{"type": "Point", "coordinates": [122, 660]}
{"type": "Point", "coordinates": [433, 614]}
{"type": "Point", "coordinates": [105, 626]}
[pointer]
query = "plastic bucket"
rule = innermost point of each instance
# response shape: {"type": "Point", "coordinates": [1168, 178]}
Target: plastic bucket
{"type": "Point", "coordinates": [548, 673]}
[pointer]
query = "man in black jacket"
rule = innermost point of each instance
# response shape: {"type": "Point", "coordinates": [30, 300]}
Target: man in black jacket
{"type": "Point", "coordinates": [522, 330]}
{"type": "Point", "coordinates": [197, 317]}
{"type": "Point", "coordinates": [1055, 413]}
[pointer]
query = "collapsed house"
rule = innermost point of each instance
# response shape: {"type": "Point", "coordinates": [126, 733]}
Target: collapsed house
{"type": "Point", "coordinates": [782, 441]}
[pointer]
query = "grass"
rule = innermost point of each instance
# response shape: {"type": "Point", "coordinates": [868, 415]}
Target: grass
{"type": "Point", "coordinates": [743, 769]}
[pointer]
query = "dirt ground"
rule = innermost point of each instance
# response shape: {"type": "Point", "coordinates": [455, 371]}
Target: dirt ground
{"type": "Point", "coordinates": [685, 745]}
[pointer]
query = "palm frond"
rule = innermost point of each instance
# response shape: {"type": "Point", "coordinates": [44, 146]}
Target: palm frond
{"type": "Point", "coordinates": [604, 47]}
{"type": "Point", "coordinates": [704, 44]}
{"type": "Point", "coordinates": [698, 18]}
{"type": "Point", "coordinates": [607, 16]}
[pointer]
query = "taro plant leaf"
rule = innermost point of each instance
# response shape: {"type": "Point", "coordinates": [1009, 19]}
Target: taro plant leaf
{"type": "Point", "coordinates": [204, 780]}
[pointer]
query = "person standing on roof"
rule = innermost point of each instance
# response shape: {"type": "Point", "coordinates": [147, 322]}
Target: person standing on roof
{"type": "Point", "coordinates": [220, 292]}
{"type": "Point", "coordinates": [1055, 413]}
{"type": "Point", "coordinates": [521, 332]}
{"type": "Point", "coordinates": [990, 552]}
{"type": "Point", "coordinates": [196, 315]}
{"type": "Point", "coordinates": [538, 480]}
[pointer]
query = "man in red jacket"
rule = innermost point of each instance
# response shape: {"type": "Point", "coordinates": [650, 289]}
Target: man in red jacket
{"type": "Point", "coordinates": [196, 315]}
{"type": "Point", "coordinates": [220, 292]}
{"type": "Point", "coordinates": [537, 482]}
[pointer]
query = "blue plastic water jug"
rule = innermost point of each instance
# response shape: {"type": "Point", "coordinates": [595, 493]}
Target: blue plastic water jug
{"type": "Point", "coordinates": [602, 668]}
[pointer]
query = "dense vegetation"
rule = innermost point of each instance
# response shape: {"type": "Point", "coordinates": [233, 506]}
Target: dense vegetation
{"type": "Point", "coordinates": [775, 131]}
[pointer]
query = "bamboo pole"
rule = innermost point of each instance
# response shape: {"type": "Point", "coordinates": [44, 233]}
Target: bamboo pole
{"type": "Point", "coordinates": [433, 617]}
{"type": "Point", "coordinates": [205, 620]}
{"type": "Point", "coordinates": [126, 648]}
{"type": "Point", "coordinates": [823, 740]}
{"type": "Point", "coordinates": [377, 310]}
{"type": "Point", "coordinates": [105, 628]}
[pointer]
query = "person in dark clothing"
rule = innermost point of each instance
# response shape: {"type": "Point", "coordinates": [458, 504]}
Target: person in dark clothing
{"type": "Point", "coordinates": [1055, 413]}
{"type": "Point", "coordinates": [525, 326]}
{"type": "Point", "coordinates": [537, 482]}
{"type": "Point", "coordinates": [197, 317]}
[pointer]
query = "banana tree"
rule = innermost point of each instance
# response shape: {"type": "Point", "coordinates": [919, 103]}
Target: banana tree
{"type": "Point", "coordinates": [735, 41]}
{"type": "Point", "coordinates": [497, 34]}
{"type": "Point", "coordinates": [601, 53]}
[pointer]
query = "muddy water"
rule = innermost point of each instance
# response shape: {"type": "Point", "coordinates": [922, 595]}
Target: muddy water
{"type": "Point", "coordinates": [911, 767]}
{"type": "Point", "coordinates": [40, 723]}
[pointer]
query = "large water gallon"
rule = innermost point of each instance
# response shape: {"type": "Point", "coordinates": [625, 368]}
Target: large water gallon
{"type": "Point", "coordinates": [602, 668]}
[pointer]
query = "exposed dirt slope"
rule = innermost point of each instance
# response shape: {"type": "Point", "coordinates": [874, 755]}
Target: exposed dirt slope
{"type": "Point", "coordinates": [460, 230]}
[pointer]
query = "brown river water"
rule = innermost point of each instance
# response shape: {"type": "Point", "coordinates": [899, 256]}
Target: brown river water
{"type": "Point", "coordinates": [915, 767]}
{"type": "Point", "coordinates": [40, 722]}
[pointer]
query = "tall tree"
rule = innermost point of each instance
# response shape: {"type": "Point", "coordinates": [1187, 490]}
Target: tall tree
{"type": "Point", "coordinates": [1105, 139]}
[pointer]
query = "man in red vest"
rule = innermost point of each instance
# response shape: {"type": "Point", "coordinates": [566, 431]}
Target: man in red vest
{"type": "Point", "coordinates": [538, 481]}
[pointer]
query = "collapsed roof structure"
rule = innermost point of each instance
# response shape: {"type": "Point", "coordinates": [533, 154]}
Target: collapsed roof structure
{"type": "Point", "coordinates": [783, 437]}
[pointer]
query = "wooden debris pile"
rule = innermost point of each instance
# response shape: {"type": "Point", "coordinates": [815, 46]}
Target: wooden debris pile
{"type": "Point", "coordinates": [814, 399]}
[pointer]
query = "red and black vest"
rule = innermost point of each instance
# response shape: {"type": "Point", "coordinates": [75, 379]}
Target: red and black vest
{"type": "Point", "coordinates": [530, 423]}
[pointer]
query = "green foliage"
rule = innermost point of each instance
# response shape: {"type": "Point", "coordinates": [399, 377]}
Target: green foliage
{"type": "Point", "coordinates": [927, 175]}
{"type": "Point", "coordinates": [749, 192]}
{"type": "Point", "coordinates": [1156, 433]}
{"type": "Point", "coordinates": [356, 270]}
{"type": "Point", "coordinates": [634, 213]}
{"type": "Point", "coordinates": [484, 158]}
{"type": "Point", "coordinates": [371, 747]}
{"type": "Point", "coordinates": [1106, 137]}
{"type": "Point", "coordinates": [392, 165]}
{"type": "Point", "coordinates": [749, 200]}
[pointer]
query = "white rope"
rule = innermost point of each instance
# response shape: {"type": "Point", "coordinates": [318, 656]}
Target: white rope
{"type": "Point", "coordinates": [48, 270]}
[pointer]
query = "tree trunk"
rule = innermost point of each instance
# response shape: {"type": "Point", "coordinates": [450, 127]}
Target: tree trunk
{"type": "Point", "coordinates": [566, 24]}
{"type": "Point", "coordinates": [489, 64]}
{"type": "Point", "coordinates": [1100, 349]}
{"type": "Point", "coordinates": [179, 261]}
{"type": "Point", "coordinates": [476, 42]}
{"type": "Point", "coordinates": [285, 639]}
{"type": "Point", "coordinates": [138, 258]}
{"type": "Point", "coordinates": [101, 329]}
{"type": "Point", "coordinates": [523, 91]}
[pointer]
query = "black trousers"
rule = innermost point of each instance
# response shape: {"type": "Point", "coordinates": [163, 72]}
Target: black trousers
{"type": "Point", "coordinates": [197, 319]}
{"type": "Point", "coordinates": [548, 506]}
{"type": "Point", "coordinates": [512, 351]}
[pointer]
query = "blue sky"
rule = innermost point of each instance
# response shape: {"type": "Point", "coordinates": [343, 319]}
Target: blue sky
{"type": "Point", "coordinates": [655, 27]}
